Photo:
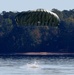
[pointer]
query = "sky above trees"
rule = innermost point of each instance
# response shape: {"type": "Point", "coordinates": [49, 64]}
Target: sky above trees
{"type": "Point", "coordinates": [21, 5]}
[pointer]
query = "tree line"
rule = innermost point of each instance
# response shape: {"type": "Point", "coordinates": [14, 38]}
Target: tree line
{"type": "Point", "coordinates": [16, 38]}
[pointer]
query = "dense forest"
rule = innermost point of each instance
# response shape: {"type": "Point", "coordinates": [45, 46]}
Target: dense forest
{"type": "Point", "coordinates": [17, 37]}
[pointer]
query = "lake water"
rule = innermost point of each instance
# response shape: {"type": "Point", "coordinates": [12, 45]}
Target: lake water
{"type": "Point", "coordinates": [36, 65]}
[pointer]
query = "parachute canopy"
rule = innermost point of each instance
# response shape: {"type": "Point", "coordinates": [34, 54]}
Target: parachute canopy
{"type": "Point", "coordinates": [39, 17]}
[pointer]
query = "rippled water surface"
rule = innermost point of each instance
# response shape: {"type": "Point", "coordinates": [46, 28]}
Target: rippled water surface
{"type": "Point", "coordinates": [36, 65]}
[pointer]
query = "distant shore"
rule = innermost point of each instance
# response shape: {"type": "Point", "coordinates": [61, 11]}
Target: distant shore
{"type": "Point", "coordinates": [36, 53]}
{"type": "Point", "coordinates": [43, 53]}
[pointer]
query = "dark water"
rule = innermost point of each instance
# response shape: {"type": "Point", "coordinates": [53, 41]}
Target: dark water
{"type": "Point", "coordinates": [36, 65]}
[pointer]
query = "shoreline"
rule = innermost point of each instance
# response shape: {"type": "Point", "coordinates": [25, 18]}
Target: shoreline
{"type": "Point", "coordinates": [36, 53]}
{"type": "Point", "coordinates": [43, 53]}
